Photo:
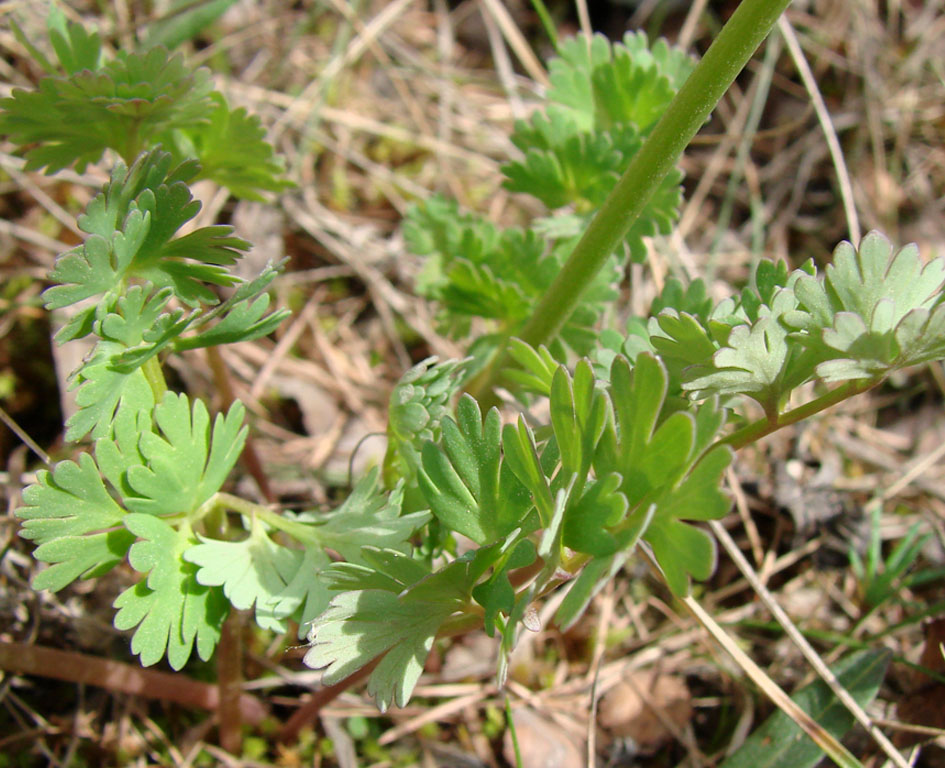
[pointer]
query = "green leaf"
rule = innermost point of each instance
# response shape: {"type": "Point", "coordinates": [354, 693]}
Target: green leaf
{"type": "Point", "coordinates": [521, 456]}
{"type": "Point", "coordinates": [496, 594]}
{"type": "Point", "coordinates": [123, 105]}
{"type": "Point", "coordinates": [360, 626]}
{"type": "Point", "coordinates": [103, 390]}
{"type": "Point", "coordinates": [233, 152]}
{"type": "Point", "coordinates": [184, 20]}
{"type": "Point", "coordinates": [578, 414]}
{"type": "Point", "coordinates": [369, 515]}
{"type": "Point", "coordinates": [535, 370]}
{"type": "Point", "coordinates": [665, 474]}
{"type": "Point", "coordinates": [186, 463]}
{"type": "Point", "coordinates": [468, 487]}
{"type": "Point", "coordinates": [76, 522]}
{"type": "Point", "coordinates": [132, 224]}
{"type": "Point", "coordinates": [171, 610]}
{"type": "Point", "coordinates": [255, 571]}
{"type": "Point", "coordinates": [244, 322]}
{"type": "Point", "coordinates": [80, 557]}
{"type": "Point", "coordinates": [873, 311]}
{"type": "Point", "coordinates": [306, 594]}
{"type": "Point", "coordinates": [75, 48]}
{"type": "Point", "coordinates": [600, 571]}
{"type": "Point", "coordinates": [780, 743]}
{"type": "Point", "coordinates": [589, 520]}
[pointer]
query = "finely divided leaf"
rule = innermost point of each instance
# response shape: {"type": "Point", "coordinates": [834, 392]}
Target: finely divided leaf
{"type": "Point", "coordinates": [186, 463]}
{"type": "Point", "coordinates": [468, 486]}
{"type": "Point", "coordinates": [123, 105]}
{"type": "Point", "coordinates": [873, 311]}
{"type": "Point", "coordinates": [255, 571]}
{"type": "Point", "coordinates": [370, 515]}
{"type": "Point", "coordinates": [103, 390]}
{"type": "Point", "coordinates": [233, 151]}
{"type": "Point", "coordinates": [665, 475]}
{"type": "Point", "coordinates": [417, 405]}
{"type": "Point", "coordinates": [170, 609]}
{"type": "Point", "coordinates": [359, 626]}
{"type": "Point", "coordinates": [76, 522]}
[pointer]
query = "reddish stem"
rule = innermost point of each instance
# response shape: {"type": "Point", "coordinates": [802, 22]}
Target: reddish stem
{"type": "Point", "coordinates": [73, 667]}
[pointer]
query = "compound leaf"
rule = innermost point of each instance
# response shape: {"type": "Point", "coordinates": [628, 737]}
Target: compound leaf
{"type": "Point", "coordinates": [359, 626]}
{"type": "Point", "coordinates": [103, 390]}
{"type": "Point", "coordinates": [233, 151]}
{"type": "Point", "coordinates": [417, 405]}
{"type": "Point", "coordinates": [369, 515]}
{"type": "Point", "coordinates": [873, 311]}
{"type": "Point", "coordinates": [76, 523]}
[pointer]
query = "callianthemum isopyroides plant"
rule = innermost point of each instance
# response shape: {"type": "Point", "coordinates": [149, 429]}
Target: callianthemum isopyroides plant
{"type": "Point", "coordinates": [475, 519]}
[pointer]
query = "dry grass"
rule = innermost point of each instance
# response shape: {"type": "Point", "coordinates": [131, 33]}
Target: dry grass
{"type": "Point", "coordinates": [375, 104]}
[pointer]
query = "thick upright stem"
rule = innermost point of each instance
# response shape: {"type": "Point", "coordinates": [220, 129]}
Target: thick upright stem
{"type": "Point", "coordinates": [726, 57]}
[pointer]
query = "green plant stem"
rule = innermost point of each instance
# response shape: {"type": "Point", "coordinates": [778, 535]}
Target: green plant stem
{"type": "Point", "coordinates": [155, 376]}
{"type": "Point", "coordinates": [763, 427]}
{"type": "Point", "coordinates": [298, 531]}
{"type": "Point", "coordinates": [688, 111]}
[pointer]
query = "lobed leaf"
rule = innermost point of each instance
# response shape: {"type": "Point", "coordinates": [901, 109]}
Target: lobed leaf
{"type": "Point", "coordinates": [171, 611]}
{"type": "Point", "coordinates": [468, 486]}
{"type": "Point", "coordinates": [187, 462]}
{"type": "Point", "coordinates": [233, 152]}
{"type": "Point", "coordinates": [70, 514]}
{"type": "Point", "coordinates": [255, 571]}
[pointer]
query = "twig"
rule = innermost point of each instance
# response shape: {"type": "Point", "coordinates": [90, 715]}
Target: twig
{"type": "Point", "coordinates": [28, 659]}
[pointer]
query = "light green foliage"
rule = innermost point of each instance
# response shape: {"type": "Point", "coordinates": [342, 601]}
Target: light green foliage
{"type": "Point", "coordinates": [185, 462]}
{"type": "Point", "coordinates": [476, 270]}
{"type": "Point", "coordinates": [604, 98]}
{"type": "Point", "coordinates": [170, 609]}
{"type": "Point", "coordinates": [140, 288]}
{"type": "Point", "coordinates": [874, 310]}
{"type": "Point", "coordinates": [469, 489]}
{"type": "Point", "coordinates": [418, 403]}
{"type": "Point", "coordinates": [393, 606]}
{"type": "Point", "coordinates": [870, 313]}
{"type": "Point", "coordinates": [76, 523]}
{"type": "Point", "coordinates": [253, 571]}
{"type": "Point", "coordinates": [472, 522]}
{"type": "Point", "coordinates": [132, 102]}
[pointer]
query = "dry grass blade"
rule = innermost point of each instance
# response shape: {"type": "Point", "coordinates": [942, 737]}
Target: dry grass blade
{"type": "Point", "coordinates": [837, 752]}
{"type": "Point", "coordinates": [516, 40]}
{"type": "Point", "coordinates": [830, 133]}
{"type": "Point", "coordinates": [805, 647]}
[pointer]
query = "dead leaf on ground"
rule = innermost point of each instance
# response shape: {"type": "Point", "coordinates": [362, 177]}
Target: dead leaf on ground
{"type": "Point", "coordinates": [638, 706]}
{"type": "Point", "coordinates": [541, 743]}
{"type": "Point", "coordinates": [924, 704]}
